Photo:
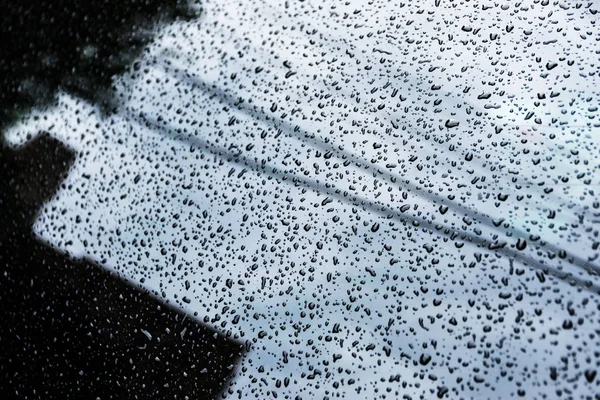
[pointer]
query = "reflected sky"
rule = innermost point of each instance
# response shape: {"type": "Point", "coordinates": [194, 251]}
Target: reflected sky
{"type": "Point", "coordinates": [359, 191]}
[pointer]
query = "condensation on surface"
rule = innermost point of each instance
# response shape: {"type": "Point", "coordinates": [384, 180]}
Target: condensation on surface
{"type": "Point", "coordinates": [382, 199]}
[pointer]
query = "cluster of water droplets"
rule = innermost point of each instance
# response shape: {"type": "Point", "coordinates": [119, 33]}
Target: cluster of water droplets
{"type": "Point", "coordinates": [380, 199]}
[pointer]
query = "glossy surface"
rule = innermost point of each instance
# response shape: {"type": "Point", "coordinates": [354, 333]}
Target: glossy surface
{"type": "Point", "coordinates": [379, 200]}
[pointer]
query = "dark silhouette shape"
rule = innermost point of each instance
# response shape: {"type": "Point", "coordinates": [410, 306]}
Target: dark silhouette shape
{"type": "Point", "coordinates": [71, 329]}
{"type": "Point", "coordinates": [73, 45]}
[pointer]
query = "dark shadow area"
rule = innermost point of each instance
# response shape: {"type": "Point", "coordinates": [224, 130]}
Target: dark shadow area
{"type": "Point", "coordinates": [76, 46]}
{"type": "Point", "coordinates": [70, 329]}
